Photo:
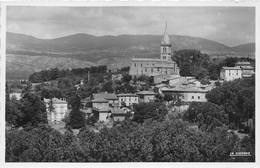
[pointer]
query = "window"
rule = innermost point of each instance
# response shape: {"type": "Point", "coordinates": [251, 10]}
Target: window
{"type": "Point", "coordinates": [164, 50]}
{"type": "Point", "coordinates": [135, 64]}
{"type": "Point", "coordinates": [158, 69]}
{"type": "Point", "coordinates": [198, 97]}
{"type": "Point", "coordinates": [192, 97]}
{"type": "Point", "coordinates": [141, 65]}
{"type": "Point", "coordinates": [145, 70]}
{"type": "Point", "coordinates": [237, 74]}
{"type": "Point", "coordinates": [152, 70]}
{"type": "Point", "coordinates": [229, 74]}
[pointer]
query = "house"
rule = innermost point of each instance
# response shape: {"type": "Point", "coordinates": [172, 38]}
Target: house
{"type": "Point", "coordinates": [190, 94]}
{"type": "Point", "coordinates": [100, 109]}
{"type": "Point", "coordinates": [230, 73]}
{"type": "Point", "coordinates": [118, 114]}
{"type": "Point", "coordinates": [110, 97]}
{"type": "Point", "coordinates": [128, 99]}
{"type": "Point", "coordinates": [247, 69]}
{"type": "Point", "coordinates": [60, 109]}
{"type": "Point", "coordinates": [146, 96]}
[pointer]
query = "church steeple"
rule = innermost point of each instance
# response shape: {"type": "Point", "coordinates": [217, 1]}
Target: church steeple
{"type": "Point", "coordinates": [166, 39]}
{"type": "Point", "coordinates": [166, 46]}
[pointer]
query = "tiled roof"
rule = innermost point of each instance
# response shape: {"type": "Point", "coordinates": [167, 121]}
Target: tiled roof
{"type": "Point", "coordinates": [148, 59]}
{"type": "Point", "coordinates": [100, 100]}
{"type": "Point", "coordinates": [118, 118]}
{"type": "Point", "coordinates": [183, 89]}
{"type": "Point", "coordinates": [243, 63]}
{"type": "Point", "coordinates": [126, 95]}
{"type": "Point", "coordinates": [117, 111]}
{"type": "Point", "coordinates": [146, 93]}
{"type": "Point", "coordinates": [161, 85]}
{"type": "Point", "coordinates": [247, 67]}
{"type": "Point", "coordinates": [237, 67]}
{"type": "Point", "coordinates": [107, 96]}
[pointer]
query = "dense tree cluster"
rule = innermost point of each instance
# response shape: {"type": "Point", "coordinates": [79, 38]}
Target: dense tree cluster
{"type": "Point", "coordinates": [237, 98]}
{"type": "Point", "coordinates": [29, 111]}
{"type": "Point", "coordinates": [207, 115]}
{"type": "Point", "coordinates": [152, 141]}
{"type": "Point", "coordinates": [151, 110]}
{"type": "Point", "coordinates": [55, 73]}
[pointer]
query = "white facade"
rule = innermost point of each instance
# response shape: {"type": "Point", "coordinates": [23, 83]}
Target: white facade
{"type": "Point", "coordinates": [15, 95]}
{"type": "Point", "coordinates": [129, 99]}
{"type": "Point", "coordinates": [60, 110]}
{"type": "Point", "coordinates": [194, 96]}
{"type": "Point", "coordinates": [230, 73]}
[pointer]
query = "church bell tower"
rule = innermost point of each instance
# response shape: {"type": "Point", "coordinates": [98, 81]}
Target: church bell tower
{"type": "Point", "coordinates": [166, 46]}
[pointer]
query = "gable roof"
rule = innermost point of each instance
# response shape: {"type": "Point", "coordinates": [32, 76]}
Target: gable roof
{"type": "Point", "coordinates": [100, 100]}
{"type": "Point", "coordinates": [107, 96]}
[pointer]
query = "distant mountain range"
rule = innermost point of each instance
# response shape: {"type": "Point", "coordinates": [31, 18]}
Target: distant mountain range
{"type": "Point", "coordinates": [115, 51]}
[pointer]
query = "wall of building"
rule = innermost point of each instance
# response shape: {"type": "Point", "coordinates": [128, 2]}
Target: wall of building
{"type": "Point", "coordinates": [194, 97]}
{"type": "Point", "coordinates": [129, 100]}
{"type": "Point", "coordinates": [112, 102]}
{"type": "Point", "coordinates": [59, 113]}
{"type": "Point", "coordinates": [150, 67]}
{"type": "Point", "coordinates": [147, 98]}
{"type": "Point", "coordinates": [100, 105]}
{"type": "Point", "coordinates": [103, 116]}
{"type": "Point", "coordinates": [232, 74]}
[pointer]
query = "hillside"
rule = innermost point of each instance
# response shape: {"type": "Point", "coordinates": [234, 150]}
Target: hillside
{"type": "Point", "coordinates": [245, 48]}
{"type": "Point", "coordinates": [113, 51]}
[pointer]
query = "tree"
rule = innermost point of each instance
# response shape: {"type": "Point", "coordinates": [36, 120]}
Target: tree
{"type": "Point", "coordinates": [153, 110]}
{"type": "Point", "coordinates": [33, 111]}
{"type": "Point", "coordinates": [107, 87]}
{"type": "Point", "coordinates": [207, 115]}
{"type": "Point", "coordinates": [76, 118]}
{"type": "Point", "coordinates": [127, 78]}
{"type": "Point", "coordinates": [168, 98]}
{"type": "Point", "coordinates": [13, 112]}
{"type": "Point", "coordinates": [51, 108]}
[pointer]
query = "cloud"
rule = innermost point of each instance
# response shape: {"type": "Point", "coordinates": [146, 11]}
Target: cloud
{"type": "Point", "coordinates": [231, 25]}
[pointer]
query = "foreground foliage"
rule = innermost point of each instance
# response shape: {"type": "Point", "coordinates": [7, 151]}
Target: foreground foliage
{"type": "Point", "coordinates": [152, 141]}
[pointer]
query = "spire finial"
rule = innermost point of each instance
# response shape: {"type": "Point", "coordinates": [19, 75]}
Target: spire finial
{"type": "Point", "coordinates": [166, 39]}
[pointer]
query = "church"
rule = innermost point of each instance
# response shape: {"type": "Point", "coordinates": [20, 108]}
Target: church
{"type": "Point", "coordinates": [153, 67]}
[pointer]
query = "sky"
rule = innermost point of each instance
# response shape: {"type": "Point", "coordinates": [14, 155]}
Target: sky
{"type": "Point", "coordinates": [227, 25]}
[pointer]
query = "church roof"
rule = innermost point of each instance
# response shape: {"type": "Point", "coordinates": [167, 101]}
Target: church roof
{"type": "Point", "coordinates": [166, 39]}
{"type": "Point", "coordinates": [148, 59]}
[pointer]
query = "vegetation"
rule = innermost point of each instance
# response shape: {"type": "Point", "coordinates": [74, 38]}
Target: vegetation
{"type": "Point", "coordinates": [29, 111]}
{"type": "Point", "coordinates": [152, 141]}
{"type": "Point", "coordinates": [237, 98]}
{"type": "Point", "coordinates": [151, 110]}
{"type": "Point", "coordinates": [194, 63]}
